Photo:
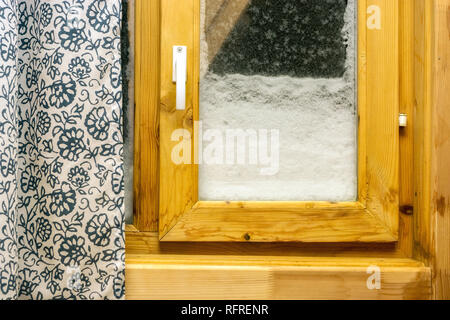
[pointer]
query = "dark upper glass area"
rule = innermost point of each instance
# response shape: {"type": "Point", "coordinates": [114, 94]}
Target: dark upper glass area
{"type": "Point", "coordinates": [298, 38]}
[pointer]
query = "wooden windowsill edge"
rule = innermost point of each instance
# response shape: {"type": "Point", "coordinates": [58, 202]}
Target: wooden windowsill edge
{"type": "Point", "coordinates": [178, 275]}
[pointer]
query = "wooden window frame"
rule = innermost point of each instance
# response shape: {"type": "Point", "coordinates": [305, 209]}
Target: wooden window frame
{"type": "Point", "coordinates": [372, 218]}
{"type": "Point", "coordinates": [210, 270]}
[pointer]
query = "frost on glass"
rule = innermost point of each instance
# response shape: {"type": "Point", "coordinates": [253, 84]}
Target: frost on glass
{"type": "Point", "coordinates": [287, 65]}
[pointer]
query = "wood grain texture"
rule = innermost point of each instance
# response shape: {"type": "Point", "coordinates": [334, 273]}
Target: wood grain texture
{"type": "Point", "coordinates": [197, 282]}
{"type": "Point", "coordinates": [145, 243]}
{"type": "Point", "coordinates": [158, 270]}
{"type": "Point", "coordinates": [181, 276]}
{"type": "Point", "coordinates": [177, 182]}
{"type": "Point", "coordinates": [278, 224]}
{"type": "Point", "coordinates": [432, 146]}
{"type": "Point", "coordinates": [423, 218]}
{"type": "Point", "coordinates": [164, 270]}
{"type": "Point", "coordinates": [406, 78]}
{"type": "Point", "coordinates": [146, 146]}
{"type": "Point", "coordinates": [181, 218]}
{"type": "Point", "coordinates": [382, 130]}
{"type": "Point", "coordinates": [440, 165]}
{"type": "Point", "coordinates": [362, 102]}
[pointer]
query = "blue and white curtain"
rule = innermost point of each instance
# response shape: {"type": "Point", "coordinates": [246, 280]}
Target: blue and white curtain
{"type": "Point", "coordinates": [61, 145]}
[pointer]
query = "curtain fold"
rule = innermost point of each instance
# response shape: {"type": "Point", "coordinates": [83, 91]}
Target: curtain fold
{"type": "Point", "coordinates": [61, 150]}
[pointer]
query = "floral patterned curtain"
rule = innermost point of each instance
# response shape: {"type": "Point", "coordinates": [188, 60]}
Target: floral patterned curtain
{"type": "Point", "coordinates": [61, 145]}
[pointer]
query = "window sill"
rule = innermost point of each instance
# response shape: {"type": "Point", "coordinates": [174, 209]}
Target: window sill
{"type": "Point", "coordinates": [173, 272]}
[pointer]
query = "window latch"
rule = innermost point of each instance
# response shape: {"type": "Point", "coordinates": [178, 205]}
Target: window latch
{"type": "Point", "coordinates": [403, 120]}
{"type": "Point", "coordinates": [180, 75]}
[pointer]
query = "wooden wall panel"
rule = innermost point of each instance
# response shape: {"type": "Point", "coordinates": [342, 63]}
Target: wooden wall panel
{"type": "Point", "coordinates": [432, 141]}
{"type": "Point", "coordinates": [422, 129]}
{"type": "Point", "coordinates": [440, 164]}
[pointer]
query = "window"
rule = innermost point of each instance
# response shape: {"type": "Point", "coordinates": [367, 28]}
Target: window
{"type": "Point", "coordinates": [152, 265]}
{"type": "Point", "coordinates": [372, 217]}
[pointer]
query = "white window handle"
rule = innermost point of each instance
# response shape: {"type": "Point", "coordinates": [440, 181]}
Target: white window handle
{"type": "Point", "coordinates": [180, 74]}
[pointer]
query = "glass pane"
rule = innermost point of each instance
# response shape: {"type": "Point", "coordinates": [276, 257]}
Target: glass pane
{"type": "Point", "coordinates": [278, 100]}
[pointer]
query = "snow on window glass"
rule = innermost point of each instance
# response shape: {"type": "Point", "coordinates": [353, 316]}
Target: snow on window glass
{"type": "Point", "coordinates": [278, 100]}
